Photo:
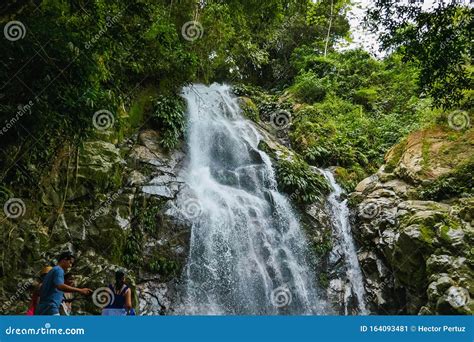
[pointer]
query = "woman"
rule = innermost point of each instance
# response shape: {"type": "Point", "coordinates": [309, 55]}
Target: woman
{"type": "Point", "coordinates": [35, 298]}
{"type": "Point", "coordinates": [121, 303]}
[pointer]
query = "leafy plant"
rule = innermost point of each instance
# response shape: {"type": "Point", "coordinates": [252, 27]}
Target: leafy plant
{"type": "Point", "coordinates": [309, 88]}
{"type": "Point", "coordinates": [300, 182]}
{"type": "Point", "coordinates": [458, 183]}
{"type": "Point", "coordinates": [168, 117]}
{"type": "Point", "coordinates": [164, 266]}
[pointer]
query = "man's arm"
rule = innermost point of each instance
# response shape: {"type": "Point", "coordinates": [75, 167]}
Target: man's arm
{"type": "Point", "coordinates": [67, 288]}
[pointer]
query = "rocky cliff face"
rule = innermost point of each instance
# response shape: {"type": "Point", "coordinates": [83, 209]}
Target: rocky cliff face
{"type": "Point", "coordinates": [110, 205]}
{"type": "Point", "coordinates": [113, 204]}
{"type": "Point", "coordinates": [417, 253]}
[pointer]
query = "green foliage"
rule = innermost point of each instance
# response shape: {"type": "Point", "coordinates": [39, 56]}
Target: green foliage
{"type": "Point", "coordinates": [309, 88]}
{"type": "Point", "coordinates": [368, 106]}
{"type": "Point", "coordinates": [168, 117]}
{"type": "Point", "coordinates": [438, 40]}
{"type": "Point", "coordinates": [132, 256]}
{"type": "Point", "coordinates": [105, 53]}
{"type": "Point", "coordinates": [304, 185]}
{"type": "Point", "coordinates": [254, 40]}
{"type": "Point", "coordinates": [366, 97]}
{"type": "Point", "coordinates": [305, 23]}
{"type": "Point", "coordinates": [149, 219]}
{"type": "Point", "coordinates": [163, 266]}
{"type": "Point", "coordinates": [349, 178]}
{"type": "Point", "coordinates": [396, 155]}
{"type": "Point", "coordinates": [323, 247]}
{"type": "Point", "coordinates": [100, 54]}
{"type": "Point", "coordinates": [324, 280]}
{"type": "Point", "coordinates": [140, 106]}
{"type": "Point", "coordinates": [458, 183]}
{"type": "Point", "coordinates": [267, 104]}
{"type": "Point", "coordinates": [330, 15]}
{"type": "Point", "coordinates": [306, 60]}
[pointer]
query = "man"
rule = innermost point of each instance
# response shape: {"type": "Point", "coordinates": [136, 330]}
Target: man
{"type": "Point", "coordinates": [53, 287]}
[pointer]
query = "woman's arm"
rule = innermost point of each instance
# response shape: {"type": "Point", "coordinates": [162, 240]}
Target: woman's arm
{"type": "Point", "coordinates": [128, 299]}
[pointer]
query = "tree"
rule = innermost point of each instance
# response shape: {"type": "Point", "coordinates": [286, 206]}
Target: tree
{"type": "Point", "coordinates": [438, 39]}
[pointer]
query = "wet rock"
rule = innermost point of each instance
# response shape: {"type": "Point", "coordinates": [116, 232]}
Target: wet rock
{"type": "Point", "coordinates": [335, 293]}
{"type": "Point", "coordinates": [367, 184]}
{"type": "Point", "coordinates": [161, 191]}
{"type": "Point", "coordinates": [439, 263]}
{"type": "Point", "coordinates": [425, 311]}
{"type": "Point", "coordinates": [154, 298]}
{"type": "Point", "coordinates": [422, 156]}
{"type": "Point", "coordinates": [400, 188]}
{"type": "Point", "coordinates": [145, 155]}
{"type": "Point", "coordinates": [454, 301]}
{"type": "Point", "coordinates": [72, 225]}
{"type": "Point", "coordinates": [382, 193]}
{"type": "Point", "coordinates": [151, 140]}
{"type": "Point", "coordinates": [135, 178]}
{"type": "Point", "coordinates": [438, 287]}
{"type": "Point", "coordinates": [249, 109]}
{"type": "Point", "coordinates": [425, 243]}
{"type": "Point", "coordinates": [99, 164]}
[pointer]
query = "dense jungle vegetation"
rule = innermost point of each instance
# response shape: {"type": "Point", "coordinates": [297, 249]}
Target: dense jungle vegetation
{"type": "Point", "coordinates": [78, 57]}
{"type": "Point", "coordinates": [65, 62]}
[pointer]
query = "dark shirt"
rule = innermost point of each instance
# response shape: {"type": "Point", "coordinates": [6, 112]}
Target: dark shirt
{"type": "Point", "coordinates": [50, 295]}
{"type": "Point", "coordinates": [118, 299]}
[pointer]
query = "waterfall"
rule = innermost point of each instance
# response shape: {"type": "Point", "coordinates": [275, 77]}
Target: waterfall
{"type": "Point", "coordinates": [248, 253]}
{"type": "Point", "coordinates": [339, 213]}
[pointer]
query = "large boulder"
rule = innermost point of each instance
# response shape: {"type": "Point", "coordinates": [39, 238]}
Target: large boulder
{"type": "Point", "coordinates": [428, 154]}
{"type": "Point", "coordinates": [425, 245]}
{"type": "Point", "coordinates": [99, 166]}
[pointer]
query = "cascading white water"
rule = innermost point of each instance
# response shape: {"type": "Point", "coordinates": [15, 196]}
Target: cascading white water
{"type": "Point", "coordinates": [248, 254]}
{"type": "Point", "coordinates": [339, 213]}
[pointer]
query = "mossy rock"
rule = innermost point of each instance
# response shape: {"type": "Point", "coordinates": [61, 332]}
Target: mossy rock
{"type": "Point", "coordinates": [427, 218]}
{"type": "Point", "coordinates": [452, 235]}
{"type": "Point", "coordinates": [413, 246]}
{"type": "Point", "coordinates": [348, 178]}
{"type": "Point", "coordinates": [426, 155]}
{"type": "Point", "coordinates": [100, 165]}
{"type": "Point", "coordinates": [249, 109]}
